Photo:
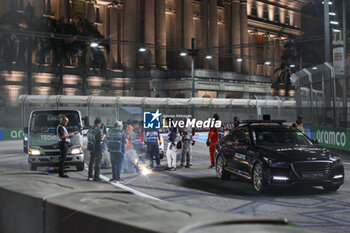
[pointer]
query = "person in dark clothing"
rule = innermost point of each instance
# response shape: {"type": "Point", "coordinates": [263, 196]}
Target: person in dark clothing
{"type": "Point", "coordinates": [96, 153]}
{"type": "Point", "coordinates": [116, 140]}
{"type": "Point", "coordinates": [63, 141]}
{"type": "Point", "coordinates": [152, 138]}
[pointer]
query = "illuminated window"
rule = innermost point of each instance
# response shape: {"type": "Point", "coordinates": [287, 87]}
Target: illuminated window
{"type": "Point", "coordinates": [254, 11]}
{"type": "Point", "coordinates": [266, 13]}
{"type": "Point", "coordinates": [48, 10]}
{"type": "Point", "coordinates": [277, 15]}
{"type": "Point", "coordinates": [98, 16]}
{"type": "Point", "coordinates": [287, 19]}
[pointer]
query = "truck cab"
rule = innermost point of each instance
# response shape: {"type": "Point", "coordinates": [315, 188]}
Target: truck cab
{"type": "Point", "coordinates": [42, 141]}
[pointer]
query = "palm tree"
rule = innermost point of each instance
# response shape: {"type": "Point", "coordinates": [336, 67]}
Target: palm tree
{"type": "Point", "coordinates": [288, 57]}
{"type": "Point", "coordinates": [18, 46]}
{"type": "Point", "coordinates": [76, 45]}
{"type": "Point", "coordinates": [90, 57]}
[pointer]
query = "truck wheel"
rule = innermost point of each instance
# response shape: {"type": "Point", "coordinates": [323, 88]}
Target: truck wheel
{"type": "Point", "coordinates": [80, 167]}
{"type": "Point", "coordinates": [32, 167]}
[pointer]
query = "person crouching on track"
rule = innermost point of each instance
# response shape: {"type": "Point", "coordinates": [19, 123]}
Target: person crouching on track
{"type": "Point", "coordinates": [152, 138]}
{"type": "Point", "coordinates": [214, 136]}
{"type": "Point", "coordinates": [95, 147]}
{"type": "Point", "coordinates": [116, 140]}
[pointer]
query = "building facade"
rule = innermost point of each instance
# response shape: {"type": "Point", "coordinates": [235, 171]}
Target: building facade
{"type": "Point", "coordinates": [239, 42]}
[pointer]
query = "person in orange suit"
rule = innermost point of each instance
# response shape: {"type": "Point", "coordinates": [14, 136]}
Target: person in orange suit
{"type": "Point", "coordinates": [214, 135]}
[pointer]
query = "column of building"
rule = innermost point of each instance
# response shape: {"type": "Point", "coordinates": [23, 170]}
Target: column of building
{"type": "Point", "coordinates": [160, 34]}
{"type": "Point", "coordinates": [267, 66]}
{"type": "Point", "coordinates": [213, 35]}
{"type": "Point", "coordinates": [129, 48]}
{"type": "Point", "coordinates": [204, 28]}
{"type": "Point", "coordinates": [228, 34]}
{"type": "Point", "coordinates": [244, 36]}
{"type": "Point", "coordinates": [61, 10]}
{"type": "Point", "coordinates": [236, 35]}
{"type": "Point", "coordinates": [90, 14]}
{"type": "Point", "coordinates": [115, 29]}
{"type": "Point", "coordinates": [150, 35]}
{"type": "Point", "coordinates": [253, 53]}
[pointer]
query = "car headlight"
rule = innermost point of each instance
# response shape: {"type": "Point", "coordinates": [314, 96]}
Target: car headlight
{"type": "Point", "coordinates": [34, 152]}
{"type": "Point", "coordinates": [336, 160]}
{"type": "Point", "coordinates": [76, 151]}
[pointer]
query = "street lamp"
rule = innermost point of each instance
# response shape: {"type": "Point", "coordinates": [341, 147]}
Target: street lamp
{"type": "Point", "coordinates": [208, 57]}
{"type": "Point", "coordinates": [239, 59]}
{"type": "Point", "coordinates": [267, 63]}
{"type": "Point", "coordinates": [193, 53]}
{"type": "Point", "coordinates": [142, 50]}
{"type": "Point", "coordinates": [183, 54]}
{"type": "Point", "coordinates": [94, 45]}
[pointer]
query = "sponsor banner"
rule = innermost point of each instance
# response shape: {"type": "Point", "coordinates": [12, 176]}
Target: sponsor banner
{"type": "Point", "coordinates": [11, 134]}
{"type": "Point", "coordinates": [338, 60]}
{"type": "Point", "coordinates": [332, 137]}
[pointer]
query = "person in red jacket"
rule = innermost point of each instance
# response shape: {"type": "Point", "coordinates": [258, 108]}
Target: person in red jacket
{"type": "Point", "coordinates": [214, 135]}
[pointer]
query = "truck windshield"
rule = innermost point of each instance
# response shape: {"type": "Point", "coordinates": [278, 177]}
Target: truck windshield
{"type": "Point", "coordinates": [47, 121]}
{"type": "Point", "coordinates": [280, 138]}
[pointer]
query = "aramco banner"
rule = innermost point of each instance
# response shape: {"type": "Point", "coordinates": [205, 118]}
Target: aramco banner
{"type": "Point", "coordinates": [337, 138]}
{"type": "Point", "coordinates": [11, 134]}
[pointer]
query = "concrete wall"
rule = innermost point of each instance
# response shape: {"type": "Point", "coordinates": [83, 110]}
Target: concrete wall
{"type": "Point", "coordinates": [33, 202]}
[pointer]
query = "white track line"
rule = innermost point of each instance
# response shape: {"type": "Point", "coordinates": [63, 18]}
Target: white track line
{"type": "Point", "coordinates": [124, 187]}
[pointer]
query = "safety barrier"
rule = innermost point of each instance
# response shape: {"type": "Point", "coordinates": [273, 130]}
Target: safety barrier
{"type": "Point", "coordinates": [35, 202]}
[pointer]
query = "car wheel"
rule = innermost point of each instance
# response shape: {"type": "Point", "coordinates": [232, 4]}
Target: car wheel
{"type": "Point", "coordinates": [258, 178]}
{"type": "Point", "coordinates": [331, 187]}
{"type": "Point", "coordinates": [220, 168]}
{"type": "Point", "coordinates": [80, 167]}
{"type": "Point", "coordinates": [33, 167]}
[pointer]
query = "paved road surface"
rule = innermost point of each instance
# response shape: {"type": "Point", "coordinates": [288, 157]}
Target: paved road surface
{"type": "Point", "coordinates": [198, 186]}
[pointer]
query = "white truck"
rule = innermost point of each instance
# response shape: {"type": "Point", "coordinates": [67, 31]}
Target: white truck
{"type": "Point", "coordinates": [42, 142]}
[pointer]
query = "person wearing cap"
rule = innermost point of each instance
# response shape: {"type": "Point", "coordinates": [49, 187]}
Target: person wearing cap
{"type": "Point", "coordinates": [236, 123]}
{"type": "Point", "coordinates": [298, 124]}
{"type": "Point", "coordinates": [116, 140]}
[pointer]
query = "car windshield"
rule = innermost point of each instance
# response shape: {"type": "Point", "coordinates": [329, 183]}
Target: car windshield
{"type": "Point", "coordinates": [46, 122]}
{"type": "Point", "coordinates": [281, 138]}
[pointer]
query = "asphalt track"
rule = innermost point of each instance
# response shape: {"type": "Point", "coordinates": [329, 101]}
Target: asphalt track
{"type": "Point", "coordinates": [198, 186]}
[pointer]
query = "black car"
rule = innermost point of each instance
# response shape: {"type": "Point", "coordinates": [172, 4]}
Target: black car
{"type": "Point", "coordinates": [268, 154]}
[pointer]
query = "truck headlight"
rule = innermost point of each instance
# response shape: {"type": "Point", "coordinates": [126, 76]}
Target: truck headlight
{"type": "Point", "coordinates": [34, 152]}
{"type": "Point", "coordinates": [77, 150]}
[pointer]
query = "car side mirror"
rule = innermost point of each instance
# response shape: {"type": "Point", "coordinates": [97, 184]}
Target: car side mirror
{"type": "Point", "coordinates": [25, 130]}
{"type": "Point", "coordinates": [315, 141]}
{"type": "Point", "coordinates": [86, 122]}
